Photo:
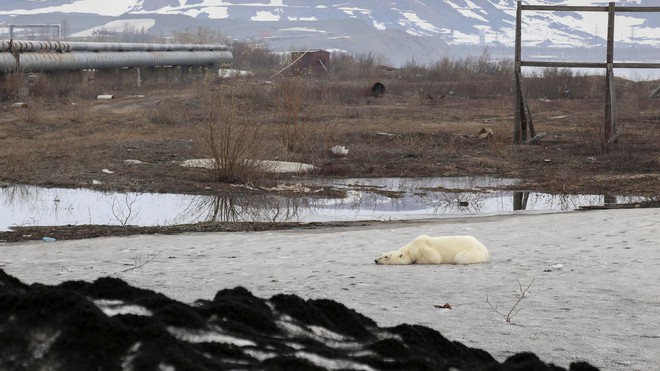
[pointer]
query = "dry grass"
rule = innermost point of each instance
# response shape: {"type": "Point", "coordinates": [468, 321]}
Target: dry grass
{"type": "Point", "coordinates": [291, 94]}
{"type": "Point", "coordinates": [18, 158]}
{"type": "Point", "coordinates": [425, 125]}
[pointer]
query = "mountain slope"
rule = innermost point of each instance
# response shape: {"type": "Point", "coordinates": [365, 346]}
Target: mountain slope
{"type": "Point", "coordinates": [400, 30]}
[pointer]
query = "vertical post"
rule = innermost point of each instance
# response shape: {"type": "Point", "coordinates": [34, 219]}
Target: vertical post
{"type": "Point", "coordinates": [139, 76]}
{"type": "Point", "coordinates": [518, 109]}
{"type": "Point", "coordinates": [182, 74]}
{"type": "Point", "coordinates": [609, 129]}
{"type": "Point", "coordinates": [520, 200]}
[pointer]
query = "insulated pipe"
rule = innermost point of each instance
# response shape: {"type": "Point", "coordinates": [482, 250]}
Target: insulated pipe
{"type": "Point", "coordinates": [7, 63]}
{"type": "Point", "coordinates": [31, 46]}
{"type": "Point", "coordinates": [36, 46]}
{"type": "Point", "coordinates": [39, 62]}
{"type": "Point", "coordinates": [98, 46]}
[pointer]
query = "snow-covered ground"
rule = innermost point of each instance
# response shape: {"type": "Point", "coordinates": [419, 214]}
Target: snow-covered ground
{"type": "Point", "coordinates": [595, 294]}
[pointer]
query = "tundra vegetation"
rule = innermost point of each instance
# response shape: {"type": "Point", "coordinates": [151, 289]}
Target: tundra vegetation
{"type": "Point", "coordinates": [427, 124]}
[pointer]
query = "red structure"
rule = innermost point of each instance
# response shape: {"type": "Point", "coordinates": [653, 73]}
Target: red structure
{"type": "Point", "coordinates": [310, 62]}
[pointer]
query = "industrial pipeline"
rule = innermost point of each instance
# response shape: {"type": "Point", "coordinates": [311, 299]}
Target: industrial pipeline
{"type": "Point", "coordinates": [42, 56]}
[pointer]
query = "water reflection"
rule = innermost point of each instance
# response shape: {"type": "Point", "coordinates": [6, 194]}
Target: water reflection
{"type": "Point", "coordinates": [255, 208]}
{"type": "Point", "coordinates": [366, 199]}
{"type": "Point", "coordinates": [544, 201]}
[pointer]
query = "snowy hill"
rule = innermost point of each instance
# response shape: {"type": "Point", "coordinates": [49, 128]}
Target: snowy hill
{"type": "Point", "coordinates": [399, 30]}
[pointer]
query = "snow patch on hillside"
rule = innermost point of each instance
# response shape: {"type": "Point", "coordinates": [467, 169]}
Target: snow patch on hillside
{"type": "Point", "coordinates": [119, 26]}
{"type": "Point", "coordinates": [265, 16]}
{"type": "Point", "coordinates": [112, 8]}
{"type": "Point", "coordinates": [422, 24]}
{"type": "Point", "coordinates": [468, 11]}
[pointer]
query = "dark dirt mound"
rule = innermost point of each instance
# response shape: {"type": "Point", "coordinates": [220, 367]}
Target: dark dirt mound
{"type": "Point", "coordinates": [109, 325]}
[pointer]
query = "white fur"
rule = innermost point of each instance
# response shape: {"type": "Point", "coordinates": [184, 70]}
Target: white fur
{"type": "Point", "coordinates": [438, 250]}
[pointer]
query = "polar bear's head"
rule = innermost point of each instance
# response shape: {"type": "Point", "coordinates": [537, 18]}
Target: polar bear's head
{"type": "Point", "coordinates": [393, 257]}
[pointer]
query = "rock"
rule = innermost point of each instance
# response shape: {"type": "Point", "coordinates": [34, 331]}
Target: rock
{"type": "Point", "coordinates": [378, 90]}
{"type": "Point", "coordinates": [339, 151]}
{"type": "Point", "coordinates": [485, 133]}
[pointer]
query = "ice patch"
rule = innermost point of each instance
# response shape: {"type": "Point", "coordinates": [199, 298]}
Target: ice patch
{"type": "Point", "coordinates": [201, 336]}
{"type": "Point", "coordinates": [268, 165]}
{"type": "Point", "coordinates": [332, 364]}
{"type": "Point", "coordinates": [115, 307]}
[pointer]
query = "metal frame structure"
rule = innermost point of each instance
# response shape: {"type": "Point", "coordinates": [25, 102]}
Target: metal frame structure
{"type": "Point", "coordinates": [25, 27]}
{"type": "Point", "coordinates": [523, 124]}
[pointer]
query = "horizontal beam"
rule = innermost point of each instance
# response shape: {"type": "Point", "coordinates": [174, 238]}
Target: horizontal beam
{"type": "Point", "coordinates": [569, 8]}
{"type": "Point", "coordinates": [563, 64]}
{"type": "Point", "coordinates": [588, 64]}
{"type": "Point", "coordinates": [635, 65]}
{"type": "Point", "coordinates": [637, 9]}
{"type": "Point", "coordinates": [566, 8]}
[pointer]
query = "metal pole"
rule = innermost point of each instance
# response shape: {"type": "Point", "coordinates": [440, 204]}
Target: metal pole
{"type": "Point", "coordinates": [139, 77]}
{"type": "Point", "coordinates": [610, 95]}
{"type": "Point", "coordinates": [517, 121]}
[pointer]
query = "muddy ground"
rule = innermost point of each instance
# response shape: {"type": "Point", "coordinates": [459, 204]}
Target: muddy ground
{"type": "Point", "coordinates": [412, 131]}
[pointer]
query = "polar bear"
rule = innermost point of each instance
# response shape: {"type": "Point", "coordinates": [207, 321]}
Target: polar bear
{"type": "Point", "coordinates": [438, 250]}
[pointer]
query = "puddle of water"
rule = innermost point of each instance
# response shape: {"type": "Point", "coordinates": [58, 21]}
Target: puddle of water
{"type": "Point", "coordinates": [367, 199]}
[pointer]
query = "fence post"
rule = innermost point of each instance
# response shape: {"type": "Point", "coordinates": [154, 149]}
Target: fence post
{"type": "Point", "coordinates": [610, 129]}
{"type": "Point", "coordinates": [518, 110]}
{"type": "Point", "coordinates": [522, 122]}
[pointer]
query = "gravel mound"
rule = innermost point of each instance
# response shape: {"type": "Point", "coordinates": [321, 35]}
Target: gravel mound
{"type": "Point", "coordinates": [110, 325]}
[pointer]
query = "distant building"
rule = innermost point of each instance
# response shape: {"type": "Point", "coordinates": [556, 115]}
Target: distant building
{"type": "Point", "coordinates": [310, 62]}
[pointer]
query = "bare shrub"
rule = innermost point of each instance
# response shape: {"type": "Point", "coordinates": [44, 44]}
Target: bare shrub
{"type": "Point", "coordinates": [12, 85]}
{"type": "Point", "coordinates": [255, 57]}
{"type": "Point", "coordinates": [352, 92]}
{"type": "Point", "coordinates": [234, 141]}
{"type": "Point", "coordinates": [346, 66]}
{"type": "Point", "coordinates": [17, 158]}
{"type": "Point", "coordinates": [590, 136]}
{"type": "Point", "coordinates": [500, 144]}
{"type": "Point", "coordinates": [562, 83]}
{"type": "Point", "coordinates": [123, 208]}
{"type": "Point", "coordinates": [72, 111]}
{"type": "Point", "coordinates": [419, 145]}
{"type": "Point", "coordinates": [631, 152]}
{"type": "Point", "coordinates": [59, 84]}
{"type": "Point", "coordinates": [291, 94]}
{"type": "Point", "coordinates": [257, 95]}
{"type": "Point", "coordinates": [142, 259]}
{"type": "Point", "coordinates": [508, 316]}
{"type": "Point", "coordinates": [471, 77]}
{"type": "Point", "coordinates": [163, 115]}
{"type": "Point", "coordinates": [29, 112]}
{"type": "Point", "coordinates": [452, 145]}
{"type": "Point", "coordinates": [200, 35]}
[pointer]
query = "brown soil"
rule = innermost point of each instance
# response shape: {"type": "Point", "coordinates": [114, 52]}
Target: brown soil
{"type": "Point", "coordinates": [53, 142]}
